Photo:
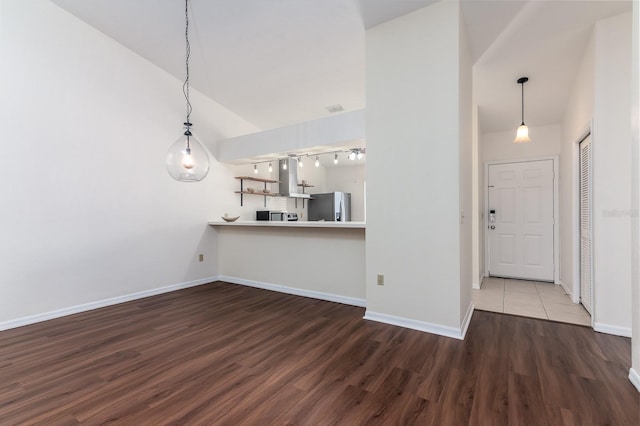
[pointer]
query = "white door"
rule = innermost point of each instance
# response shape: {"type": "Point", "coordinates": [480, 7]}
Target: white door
{"type": "Point", "coordinates": [520, 220]}
{"type": "Point", "coordinates": [586, 264]}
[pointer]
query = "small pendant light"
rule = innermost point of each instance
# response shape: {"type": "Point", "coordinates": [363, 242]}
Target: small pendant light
{"type": "Point", "coordinates": [187, 159]}
{"type": "Point", "coordinates": [522, 134]}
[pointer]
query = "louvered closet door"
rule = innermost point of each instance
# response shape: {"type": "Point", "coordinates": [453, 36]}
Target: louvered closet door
{"type": "Point", "coordinates": [586, 247]}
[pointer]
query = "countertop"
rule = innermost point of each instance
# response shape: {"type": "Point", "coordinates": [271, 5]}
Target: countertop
{"type": "Point", "coordinates": [293, 224]}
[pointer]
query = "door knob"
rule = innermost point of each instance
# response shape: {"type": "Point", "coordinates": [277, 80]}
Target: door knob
{"type": "Point", "coordinates": [492, 227]}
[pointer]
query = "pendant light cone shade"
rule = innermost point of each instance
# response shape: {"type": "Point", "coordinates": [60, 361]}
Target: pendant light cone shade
{"type": "Point", "coordinates": [522, 134]}
{"type": "Point", "coordinates": [187, 160]}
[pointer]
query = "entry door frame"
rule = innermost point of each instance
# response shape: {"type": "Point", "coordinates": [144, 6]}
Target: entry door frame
{"type": "Point", "coordinates": [556, 210]}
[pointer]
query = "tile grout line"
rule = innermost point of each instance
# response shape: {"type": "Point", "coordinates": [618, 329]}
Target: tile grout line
{"type": "Point", "coordinates": [544, 307]}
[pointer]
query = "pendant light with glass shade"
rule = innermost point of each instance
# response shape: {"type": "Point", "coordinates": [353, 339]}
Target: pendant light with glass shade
{"type": "Point", "coordinates": [522, 134]}
{"type": "Point", "coordinates": [187, 159]}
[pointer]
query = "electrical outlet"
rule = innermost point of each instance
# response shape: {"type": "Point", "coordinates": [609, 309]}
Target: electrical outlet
{"type": "Point", "coordinates": [380, 279]}
{"type": "Point", "coordinates": [201, 257]}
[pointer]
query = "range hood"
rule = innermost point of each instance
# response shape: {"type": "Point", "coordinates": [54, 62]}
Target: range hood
{"type": "Point", "coordinates": [289, 178]}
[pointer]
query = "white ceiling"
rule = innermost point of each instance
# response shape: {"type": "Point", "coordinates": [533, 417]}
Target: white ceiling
{"type": "Point", "coordinates": [281, 62]}
{"type": "Point", "coordinates": [545, 41]}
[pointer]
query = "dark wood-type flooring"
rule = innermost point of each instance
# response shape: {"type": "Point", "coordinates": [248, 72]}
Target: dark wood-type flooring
{"type": "Point", "coordinates": [227, 354]}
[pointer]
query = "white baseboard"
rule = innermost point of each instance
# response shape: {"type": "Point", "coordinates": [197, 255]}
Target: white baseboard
{"type": "Point", "coordinates": [569, 292]}
{"type": "Point", "coordinates": [475, 286]}
{"type": "Point", "coordinates": [32, 319]}
{"type": "Point", "coordinates": [467, 320]}
{"type": "Point", "coordinates": [634, 377]}
{"type": "Point", "coordinates": [441, 330]}
{"type": "Point", "coordinates": [616, 330]}
{"type": "Point", "coordinates": [297, 291]}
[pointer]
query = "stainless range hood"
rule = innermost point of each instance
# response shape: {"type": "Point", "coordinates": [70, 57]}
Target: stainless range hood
{"type": "Point", "coordinates": [289, 178]}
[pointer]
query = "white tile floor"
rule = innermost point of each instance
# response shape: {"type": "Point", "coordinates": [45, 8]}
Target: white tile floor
{"type": "Point", "coordinates": [530, 299]}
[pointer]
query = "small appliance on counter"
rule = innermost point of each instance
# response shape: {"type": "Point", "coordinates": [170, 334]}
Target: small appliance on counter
{"type": "Point", "coordinates": [263, 215]}
{"type": "Point", "coordinates": [276, 216]}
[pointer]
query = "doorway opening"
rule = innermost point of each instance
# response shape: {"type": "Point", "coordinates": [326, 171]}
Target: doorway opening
{"type": "Point", "coordinates": [521, 230]}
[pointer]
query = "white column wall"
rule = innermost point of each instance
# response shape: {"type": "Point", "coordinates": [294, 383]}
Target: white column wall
{"type": "Point", "coordinates": [634, 373]}
{"type": "Point", "coordinates": [612, 176]}
{"type": "Point", "coordinates": [413, 149]}
{"type": "Point", "coordinates": [466, 161]}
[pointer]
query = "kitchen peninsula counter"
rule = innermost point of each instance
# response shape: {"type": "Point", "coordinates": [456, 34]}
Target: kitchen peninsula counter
{"type": "Point", "coordinates": [293, 224]}
{"type": "Point", "coordinates": [323, 260]}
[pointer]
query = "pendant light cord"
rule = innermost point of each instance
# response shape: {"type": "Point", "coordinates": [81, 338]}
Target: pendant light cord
{"type": "Point", "coordinates": [185, 86]}
{"type": "Point", "coordinates": [522, 97]}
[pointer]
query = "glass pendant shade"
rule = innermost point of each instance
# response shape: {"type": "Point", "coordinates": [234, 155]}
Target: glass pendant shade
{"type": "Point", "coordinates": [522, 134]}
{"type": "Point", "coordinates": [187, 161]}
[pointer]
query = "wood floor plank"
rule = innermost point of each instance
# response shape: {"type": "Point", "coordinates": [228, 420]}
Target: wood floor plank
{"type": "Point", "coordinates": [233, 355]}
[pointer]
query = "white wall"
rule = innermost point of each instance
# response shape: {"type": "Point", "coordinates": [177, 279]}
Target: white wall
{"type": "Point", "coordinates": [476, 225]}
{"type": "Point", "coordinates": [332, 130]}
{"type": "Point", "coordinates": [413, 209]}
{"type": "Point", "coordinates": [612, 175]}
{"type": "Point", "coordinates": [466, 161]}
{"type": "Point", "coordinates": [481, 212]}
{"type": "Point", "coordinates": [349, 179]}
{"type": "Point", "coordinates": [545, 141]}
{"type": "Point", "coordinates": [634, 374]}
{"type": "Point", "coordinates": [325, 261]}
{"type": "Point", "coordinates": [575, 125]}
{"type": "Point", "coordinates": [89, 210]}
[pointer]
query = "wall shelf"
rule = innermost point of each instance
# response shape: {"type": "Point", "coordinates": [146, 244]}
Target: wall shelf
{"type": "Point", "coordinates": [303, 185]}
{"type": "Point", "coordinates": [244, 192]}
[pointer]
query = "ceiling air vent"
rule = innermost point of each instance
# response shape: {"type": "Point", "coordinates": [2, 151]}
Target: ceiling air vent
{"type": "Point", "coordinates": [335, 108]}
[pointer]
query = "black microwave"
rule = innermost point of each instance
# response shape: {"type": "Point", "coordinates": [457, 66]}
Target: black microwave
{"type": "Point", "coordinates": [263, 215]}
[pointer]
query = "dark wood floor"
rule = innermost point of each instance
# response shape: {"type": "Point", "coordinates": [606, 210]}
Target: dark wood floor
{"type": "Point", "coordinates": [226, 354]}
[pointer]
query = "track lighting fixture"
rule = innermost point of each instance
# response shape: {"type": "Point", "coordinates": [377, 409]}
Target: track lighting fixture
{"type": "Point", "coordinates": [255, 168]}
{"type": "Point", "coordinates": [335, 158]}
{"type": "Point", "coordinates": [356, 153]}
{"type": "Point", "coordinates": [317, 161]}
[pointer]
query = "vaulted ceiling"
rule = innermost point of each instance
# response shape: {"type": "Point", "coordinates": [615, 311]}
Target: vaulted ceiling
{"type": "Point", "coordinates": [280, 62]}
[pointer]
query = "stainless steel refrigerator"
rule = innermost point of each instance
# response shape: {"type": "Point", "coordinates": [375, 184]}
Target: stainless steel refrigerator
{"type": "Point", "coordinates": [333, 206]}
